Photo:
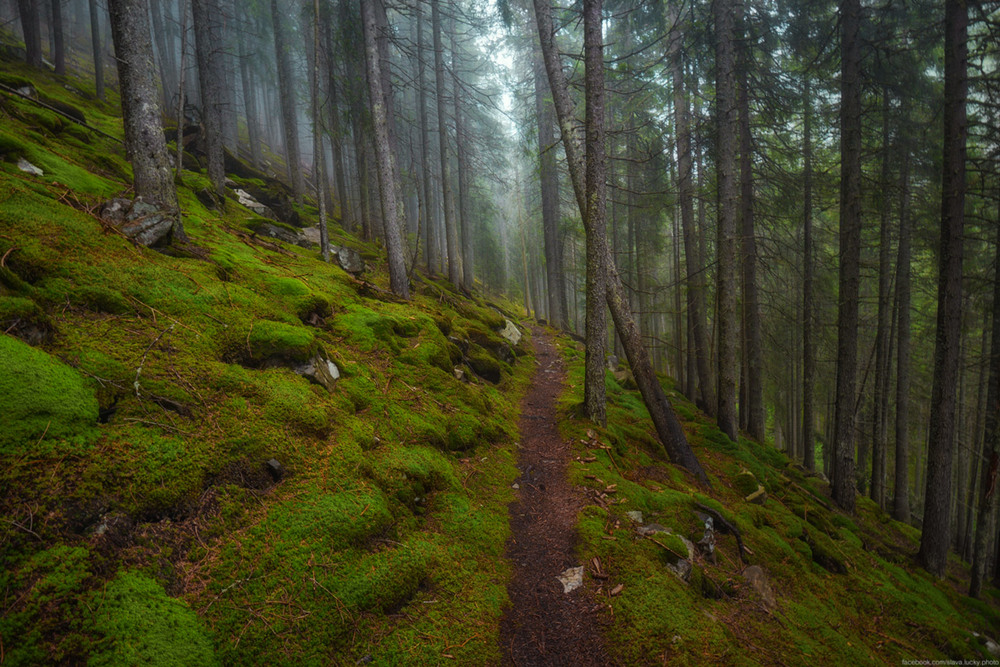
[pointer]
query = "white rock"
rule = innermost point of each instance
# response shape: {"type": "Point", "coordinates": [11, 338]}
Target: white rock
{"type": "Point", "coordinates": [511, 333]}
{"type": "Point", "coordinates": [635, 515]}
{"type": "Point", "coordinates": [571, 579]}
{"type": "Point", "coordinates": [29, 168]}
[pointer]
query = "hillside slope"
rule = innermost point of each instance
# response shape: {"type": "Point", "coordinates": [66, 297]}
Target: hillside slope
{"type": "Point", "coordinates": [176, 490]}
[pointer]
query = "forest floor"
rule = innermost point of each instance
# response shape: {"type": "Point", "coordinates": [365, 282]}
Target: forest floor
{"type": "Point", "coordinates": [545, 625]}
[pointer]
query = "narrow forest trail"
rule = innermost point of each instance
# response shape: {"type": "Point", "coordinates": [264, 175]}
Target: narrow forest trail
{"type": "Point", "coordinates": [544, 625]}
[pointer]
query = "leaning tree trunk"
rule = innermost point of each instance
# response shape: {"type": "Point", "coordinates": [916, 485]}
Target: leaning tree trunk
{"type": "Point", "coordinates": [935, 536]}
{"type": "Point", "coordinates": [144, 142]}
{"type": "Point", "coordinates": [207, 40]}
{"type": "Point", "coordinates": [728, 196]}
{"type": "Point", "coordinates": [850, 255]}
{"type": "Point", "coordinates": [383, 154]}
{"type": "Point", "coordinates": [668, 428]}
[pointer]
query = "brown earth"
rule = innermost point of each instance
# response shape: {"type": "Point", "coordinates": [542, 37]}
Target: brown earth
{"type": "Point", "coordinates": [544, 625]}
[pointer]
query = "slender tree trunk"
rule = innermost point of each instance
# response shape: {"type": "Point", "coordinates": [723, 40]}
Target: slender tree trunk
{"type": "Point", "coordinates": [463, 166]}
{"type": "Point", "coordinates": [336, 130]}
{"type": "Point", "coordinates": [850, 255]}
{"type": "Point", "coordinates": [286, 85]}
{"type": "Point", "coordinates": [668, 428]}
{"type": "Point", "coordinates": [728, 194]}
{"type": "Point", "coordinates": [685, 189]}
{"type": "Point", "coordinates": [387, 172]}
{"type": "Point", "coordinates": [207, 39]}
{"type": "Point", "coordinates": [31, 29]}
{"type": "Point", "coordinates": [548, 177]}
{"type": "Point", "coordinates": [95, 39]}
{"type": "Point", "coordinates": [901, 493]}
{"type": "Point", "coordinates": [450, 228]}
{"type": "Point", "coordinates": [182, 9]}
{"type": "Point", "coordinates": [880, 437]}
{"type": "Point", "coordinates": [808, 349]}
{"type": "Point", "coordinates": [249, 101]}
{"type": "Point", "coordinates": [934, 538]}
{"type": "Point", "coordinates": [753, 351]}
{"type": "Point", "coordinates": [430, 242]}
{"type": "Point", "coordinates": [319, 157]}
{"type": "Point", "coordinates": [595, 217]}
{"type": "Point", "coordinates": [163, 53]}
{"type": "Point", "coordinates": [144, 142]}
{"type": "Point", "coordinates": [58, 41]}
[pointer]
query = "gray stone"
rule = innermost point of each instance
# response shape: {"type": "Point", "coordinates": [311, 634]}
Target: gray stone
{"type": "Point", "coordinates": [635, 515]}
{"type": "Point", "coordinates": [275, 469]}
{"type": "Point", "coordinates": [571, 579]}
{"type": "Point", "coordinates": [652, 529]}
{"type": "Point", "coordinates": [511, 333]}
{"type": "Point", "coordinates": [757, 497]}
{"type": "Point", "coordinates": [320, 370]}
{"type": "Point", "coordinates": [349, 260]}
{"type": "Point", "coordinates": [141, 222]}
{"type": "Point", "coordinates": [681, 569]}
{"type": "Point", "coordinates": [706, 545]}
{"type": "Point", "coordinates": [757, 578]}
{"type": "Point", "coordinates": [246, 199]}
{"type": "Point", "coordinates": [459, 374]}
{"type": "Point", "coordinates": [280, 233]}
{"type": "Point", "coordinates": [29, 168]}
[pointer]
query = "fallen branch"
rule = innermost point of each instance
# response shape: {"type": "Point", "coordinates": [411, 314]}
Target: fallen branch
{"type": "Point", "coordinates": [12, 91]}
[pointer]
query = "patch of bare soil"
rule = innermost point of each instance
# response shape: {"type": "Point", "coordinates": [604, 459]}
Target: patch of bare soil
{"type": "Point", "coordinates": [544, 625]}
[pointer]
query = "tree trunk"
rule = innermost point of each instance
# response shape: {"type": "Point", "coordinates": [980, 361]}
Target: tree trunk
{"type": "Point", "coordinates": [207, 41]}
{"type": "Point", "coordinates": [249, 101]}
{"type": "Point", "coordinates": [901, 492]}
{"type": "Point", "coordinates": [668, 428]}
{"type": "Point", "coordinates": [319, 157]}
{"type": "Point", "coordinates": [728, 196]}
{"type": "Point", "coordinates": [880, 408]}
{"type": "Point", "coordinates": [753, 351]}
{"type": "Point", "coordinates": [808, 348]}
{"type": "Point", "coordinates": [31, 29]}
{"type": "Point", "coordinates": [144, 142]}
{"type": "Point", "coordinates": [387, 172]}
{"type": "Point", "coordinates": [934, 538]}
{"type": "Point", "coordinates": [463, 166]}
{"type": "Point", "coordinates": [450, 229]}
{"type": "Point", "coordinates": [286, 85]}
{"type": "Point", "coordinates": [336, 131]}
{"type": "Point", "coordinates": [58, 41]}
{"type": "Point", "coordinates": [595, 217]}
{"type": "Point", "coordinates": [430, 242]}
{"type": "Point", "coordinates": [850, 255]}
{"type": "Point", "coordinates": [685, 192]}
{"type": "Point", "coordinates": [548, 176]}
{"type": "Point", "coordinates": [95, 39]}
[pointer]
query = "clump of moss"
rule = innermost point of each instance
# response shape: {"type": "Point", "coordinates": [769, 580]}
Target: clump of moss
{"type": "Point", "coordinates": [142, 625]}
{"type": "Point", "coordinates": [44, 399]}
{"type": "Point", "coordinates": [484, 364]}
{"type": "Point", "coordinates": [102, 299]}
{"type": "Point", "coordinates": [266, 339]}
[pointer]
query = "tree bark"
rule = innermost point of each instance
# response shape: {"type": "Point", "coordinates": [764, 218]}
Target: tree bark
{"type": "Point", "coordinates": [668, 428]}
{"type": "Point", "coordinates": [934, 538]}
{"type": "Point", "coordinates": [430, 243]}
{"type": "Point", "coordinates": [901, 492]}
{"type": "Point", "coordinates": [286, 85]}
{"type": "Point", "coordinates": [463, 166]}
{"type": "Point", "coordinates": [207, 43]}
{"type": "Point", "coordinates": [753, 351]}
{"type": "Point", "coordinates": [319, 157]}
{"type": "Point", "coordinates": [850, 255]}
{"type": "Point", "coordinates": [808, 347]}
{"type": "Point", "coordinates": [548, 177]}
{"type": "Point", "coordinates": [95, 39]}
{"type": "Point", "coordinates": [336, 130]}
{"type": "Point", "coordinates": [450, 229]}
{"type": "Point", "coordinates": [58, 41]}
{"type": "Point", "coordinates": [595, 217]}
{"type": "Point", "coordinates": [31, 29]}
{"type": "Point", "coordinates": [249, 101]}
{"type": "Point", "coordinates": [728, 195]}
{"type": "Point", "coordinates": [144, 142]}
{"type": "Point", "coordinates": [387, 173]}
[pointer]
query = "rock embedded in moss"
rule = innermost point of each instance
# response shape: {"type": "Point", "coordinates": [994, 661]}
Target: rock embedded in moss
{"type": "Point", "coordinates": [42, 396]}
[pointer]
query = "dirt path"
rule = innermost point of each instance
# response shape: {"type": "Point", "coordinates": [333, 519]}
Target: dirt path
{"type": "Point", "coordinates": [546, 626]}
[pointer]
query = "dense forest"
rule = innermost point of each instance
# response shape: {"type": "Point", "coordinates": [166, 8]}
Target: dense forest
{"type": "Point", "coordinates": [791, 209]}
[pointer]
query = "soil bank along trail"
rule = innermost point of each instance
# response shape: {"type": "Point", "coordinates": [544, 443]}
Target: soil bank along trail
{"type": "Point", "coordinates": [545, 625]}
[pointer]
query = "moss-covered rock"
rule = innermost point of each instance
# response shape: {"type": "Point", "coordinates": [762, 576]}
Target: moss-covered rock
{"type": "Point", "coordinates": [42, 397]}
{"type": "Point", "coordinates": [484, 364]}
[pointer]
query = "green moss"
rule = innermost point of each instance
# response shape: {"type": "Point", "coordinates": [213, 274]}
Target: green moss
{"type": "Point", "coordinates": [102, 299]}
{"type": "Point", "coordinates": [484, 364]}
{"type": "Point", "coordinates": [142, 625]}
{"type": "Point", "coordinates": [264, 339]}
{"type": "Point", "coordinates": [44, 400]}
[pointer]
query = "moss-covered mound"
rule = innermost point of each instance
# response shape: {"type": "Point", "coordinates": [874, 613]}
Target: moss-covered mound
{"type": "Point", "coordinates": [42, 398]}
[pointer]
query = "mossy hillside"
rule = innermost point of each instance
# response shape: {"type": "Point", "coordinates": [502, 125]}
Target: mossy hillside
{"type": "Point", "coordinates": [847, 587]}
{"type": "Point", "coordinates": [393, 485]}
